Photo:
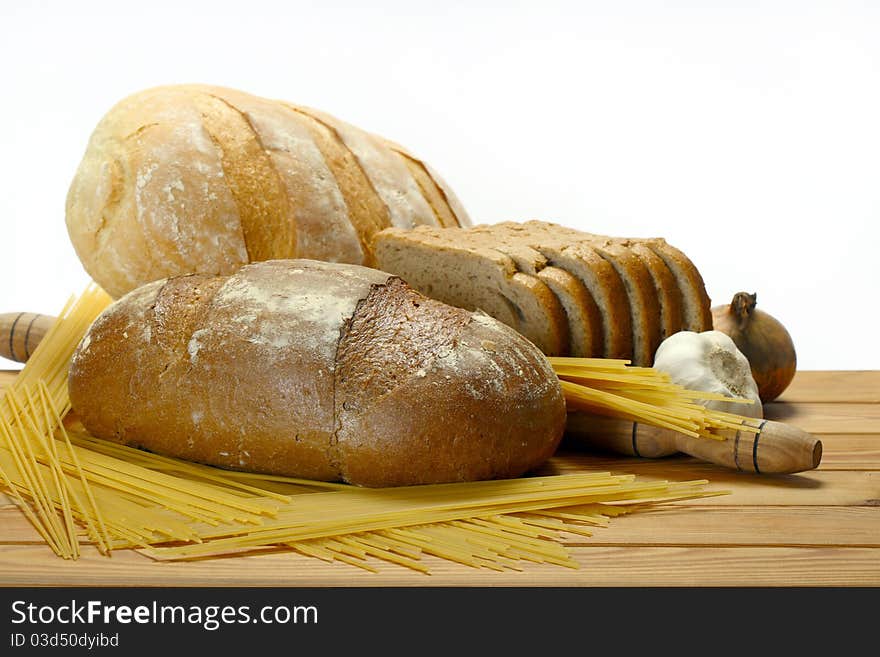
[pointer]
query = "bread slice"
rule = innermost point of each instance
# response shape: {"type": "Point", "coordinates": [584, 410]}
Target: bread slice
{"type": "Point", "coordinates": [665, 287]}
{"type": "Point", "coordinates": [641, 297]}
{"type": "Point", "coordinates": [583, 319]}
{"type": "Point", "coordinates": [696, 305]}
{"type": "Point", "coordinates": [448, 266]}
{"type": "Point", "coordinates": [586, 338]}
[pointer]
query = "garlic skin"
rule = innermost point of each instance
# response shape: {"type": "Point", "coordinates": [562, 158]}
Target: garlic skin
{"type": "Point", "coordinates": [710, 362]}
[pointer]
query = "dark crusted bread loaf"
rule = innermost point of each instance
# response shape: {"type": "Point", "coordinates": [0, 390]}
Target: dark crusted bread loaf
{"type": "Point", "coordinates": [317, 370]}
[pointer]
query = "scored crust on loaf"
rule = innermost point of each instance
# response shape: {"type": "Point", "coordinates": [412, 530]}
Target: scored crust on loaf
{"type": "Point", "coordinates": [319, 214]}
{"type": "Point", "coordinates": [459, 216]}
{"type": "Point", "coordinates": [584, 319]}
{"type": "Point", "coordinates": [441, 264]}
{"type": "Point", "coordinates": [432, 193]}
{"type": "Point", "coordinates": [266, 217]}
{"type": "Point", "coordinates": [316, 370]}
{"type": "Point", "coordinates": [386, 170]}
{"type": "Point", "coordinates": [367, 210]}
{"type": "Point", "coordinates": [282, 321]}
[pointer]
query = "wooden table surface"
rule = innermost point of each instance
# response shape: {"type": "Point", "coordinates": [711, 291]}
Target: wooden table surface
{"type": "Point", "coordinates": [813, 529]}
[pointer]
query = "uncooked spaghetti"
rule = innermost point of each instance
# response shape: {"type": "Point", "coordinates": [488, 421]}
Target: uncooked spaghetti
{"type": "Point", "coordinates": [611, 387]}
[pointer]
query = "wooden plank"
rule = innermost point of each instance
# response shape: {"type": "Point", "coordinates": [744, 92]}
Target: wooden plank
{"type": "Point", "coordinates": [681, 525]}
{"type": "Point", "coordinates": [815, 528]}
{"type": "Point", "coordinates": [834, 386]}
{"type": "Point", "coordinates": [850, 452]}
{"type": "Point", "coordinates": [814, 488]}
{"type": "Point", "coordinates": [802, 526]}
{"type": "Point", "coordinates": [29, 565]}
{"type": "Point", "coordinates": [820, 418]}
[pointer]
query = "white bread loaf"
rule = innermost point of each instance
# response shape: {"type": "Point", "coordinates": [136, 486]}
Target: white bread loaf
{"type": "Point", "coordinates": [192, 178]}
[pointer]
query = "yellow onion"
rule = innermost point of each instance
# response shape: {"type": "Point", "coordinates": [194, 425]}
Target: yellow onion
{"type": "Point", "coordinates": [762, 339]}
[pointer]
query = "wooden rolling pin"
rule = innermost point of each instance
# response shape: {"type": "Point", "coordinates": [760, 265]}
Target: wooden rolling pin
{"type": "Point", "coordinates": [20, 333]}
{"type": "Point", "coordinates": [777, 448]}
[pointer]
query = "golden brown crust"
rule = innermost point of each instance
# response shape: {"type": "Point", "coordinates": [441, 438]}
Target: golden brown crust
{"type": "Point", "coordinates": [266, 219]}
{"type": "Point", "coordinates": [367, 211]}
{"type": "Point", "coordinates": [563, 248]}
{"type": "Point", "coordinates": [318, 213]}
{"type": "Point", "coordinates": [585, 320]}
{"type": "Point", "coordinates": [529, 262]}
{"type": "Point", "coordinates": [459, 214]}
{"type": "Point", "coordinates": [305, 368]}
{"type": "Point", "coordinates": [386, 171]}
{"type": "Point", "coordinates": [634, 279]}
{"type": "Point", "coordinates": [431, 191]}
{"type": "Point", "coordinates": [642, 298]}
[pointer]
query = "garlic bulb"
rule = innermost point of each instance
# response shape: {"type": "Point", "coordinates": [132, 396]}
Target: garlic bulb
{"type": "Point", "coordinates": [710, 362]}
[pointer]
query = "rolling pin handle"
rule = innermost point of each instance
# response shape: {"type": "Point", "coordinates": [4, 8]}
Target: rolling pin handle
{"type": "Point", "coordinates": [780, 448]}
{"type": "Point", "coordinates": [20, 333]}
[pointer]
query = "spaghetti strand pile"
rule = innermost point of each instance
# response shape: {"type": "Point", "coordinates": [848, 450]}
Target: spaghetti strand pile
{"type": "Point", "coordinates": [613, 388]}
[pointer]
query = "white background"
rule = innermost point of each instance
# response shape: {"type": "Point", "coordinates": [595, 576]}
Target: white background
{"type": "Point", "coordinates": [748, 136]}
